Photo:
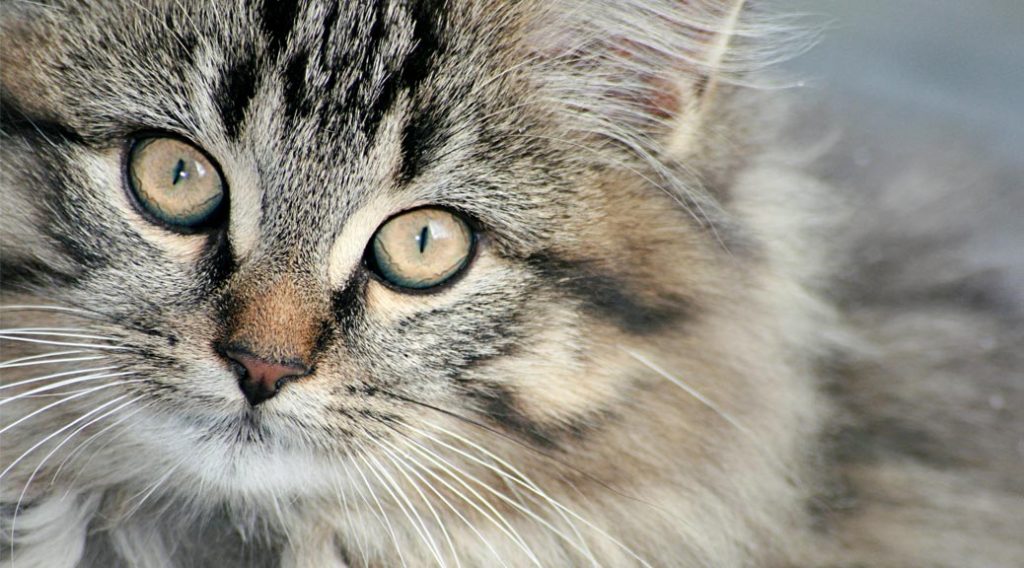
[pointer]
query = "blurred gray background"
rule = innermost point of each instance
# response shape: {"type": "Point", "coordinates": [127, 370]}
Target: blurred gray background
{"type": "Point", "coordinates": [955, 61]}
{"type": "Point", "coordinates": [943, 79]}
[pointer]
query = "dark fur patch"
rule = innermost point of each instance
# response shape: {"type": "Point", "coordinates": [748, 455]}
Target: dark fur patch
{"type": "Point", "coordinates": [426, 123]}
{"type": "Point", "coordinates": [237, 89]}
{"type": "Point", "coordinates": [25, 274]}
{"type": "Point", "coordinates": [887, 437]}
{"type": "Point", "coordinates": [347, 303]}
{"type": "Point", "coordinates": [328, 66]}
{"type": "Point", "coordinates": [17, 122]}
{"type": "Point", "coordinates": [421, 132]}
{"type": "Point", "coordinates": [427, 21]}
{"type": "Point", "coordinates": [375, 38]}
{"type": "Point", "coordinates": [277, 18]}
{"type": "Point", "coordinates": [218, 263]}
{"type": "Point", "coordinates": [84, 246]}
{"type": "Point", "coordinates": [296, 97]}
{"type": "Point", "coordinates": [610, 297]}
{"type": "Point", "coordinates": [185, 40]}
{"type": "Point", "coordinates": [415, 66]}
{"type": "Point", "coordinates": [500, 405]}
{"type": "Point", "coordinates": [326, 29]}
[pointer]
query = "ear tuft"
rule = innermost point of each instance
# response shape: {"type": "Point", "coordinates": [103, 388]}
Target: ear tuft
{"type": "Point", "coordinates": [644, 72]}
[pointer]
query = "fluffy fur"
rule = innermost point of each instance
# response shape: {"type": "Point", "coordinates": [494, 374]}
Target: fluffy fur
{"type": "Point", "coordinates": [677, 345]}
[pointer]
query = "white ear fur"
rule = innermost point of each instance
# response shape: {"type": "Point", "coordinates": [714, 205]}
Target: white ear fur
{"type": "Point", "coordinates": [688, 121]}
{"type": "Point", "coordinates": [645, 72]}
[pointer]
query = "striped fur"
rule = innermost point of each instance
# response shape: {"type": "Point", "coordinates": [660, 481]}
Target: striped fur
{"type": "Point", "coordinates": [677, 345]}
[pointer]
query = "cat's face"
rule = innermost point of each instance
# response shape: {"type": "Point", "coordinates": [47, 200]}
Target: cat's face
{"type": "Point", "coordinates": [308, 131]}
{"type": "Point", "coordinates": [330, 263]}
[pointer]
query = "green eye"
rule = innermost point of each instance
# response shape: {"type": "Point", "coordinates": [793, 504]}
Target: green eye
{"type": "Point", "coordinates": [175, 182]}
{"type": "Point", "coordinates": [422, 248]}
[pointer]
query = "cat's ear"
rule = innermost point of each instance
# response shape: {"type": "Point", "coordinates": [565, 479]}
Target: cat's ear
{"type": "Point", "coordinates": [648, 69]}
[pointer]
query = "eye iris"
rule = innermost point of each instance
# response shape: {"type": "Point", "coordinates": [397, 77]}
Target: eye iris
{"type": "Point", "coordinates": [175, 182]}
{"type": "Point", "coordinates": [422, 248]}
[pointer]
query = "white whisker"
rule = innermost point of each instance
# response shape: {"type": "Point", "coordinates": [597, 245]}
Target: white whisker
{"type": "Point", "coordinates": [42, 356]}
{"type": "Point", "coordinates": [440, 523]}
{"type": "Point", "coordinates": [362, 496]}
{"type": "Point", "coordinates": [59, 384]}
{"type": "Point", "coordinates": [62, 343]}
{"type": "Point", "coordinates": [33, 329]}
{"type": "Point", "coordinates": [144, 495]}
{"type": "Point", "coordinates": [62, 401]}
{"type": "Point", "coordinates": [343, 495]}
{"type": "Point", "coordinates": [85, 443]}
{"type": "Point", "coordinates": [405, 457]}
{"type": "Point", "coordinates": [522, 479]}
{"type": "Point", "coordinates": [688, 389]}
{"type": "Point", "coordinates": [55, 375]}
{"type": "Point", "coordinates": [41, 360]}
{"type": "Point", "coordinates": [525, 510]}
{"type": "Point", "coordinates": [52, 435]}
{"type": "Point", "coordinates": [390, 486]}
{"type": "Point", "coordinates": [387, 522]}
{"type": "Point", "coordinates": [54, 332]}
{"type": "Point", "coordinates": [497, 519]}
{"type": "Point", "coordinates": [67, 438]}
{"type": "Point", "coordinates": [749, 434]}
{"type": "Point", "coordinates": [40, 307]}
{"type": "Point", "coordinates": [519, 479]}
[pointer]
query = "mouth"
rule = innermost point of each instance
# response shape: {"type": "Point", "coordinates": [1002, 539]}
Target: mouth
{"type": "Point", "coordinates": [239, 425]}
{"type": "Point", "coordinates": [248, 427]}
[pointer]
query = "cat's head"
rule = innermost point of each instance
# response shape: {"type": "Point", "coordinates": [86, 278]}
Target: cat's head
{"type": "Point", "coordinates": [278, 237]}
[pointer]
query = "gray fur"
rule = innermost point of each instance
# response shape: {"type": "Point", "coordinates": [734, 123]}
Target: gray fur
{"type": "Point", "coordinates": [679, 343]}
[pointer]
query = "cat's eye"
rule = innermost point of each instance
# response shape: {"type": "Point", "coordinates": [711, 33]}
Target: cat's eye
{"type": "Point", "coordinates": [175, 182]}
{"type": "Point", "coordinates": [422, 248]}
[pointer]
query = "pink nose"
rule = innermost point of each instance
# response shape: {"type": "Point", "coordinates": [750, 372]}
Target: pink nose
{"type": "Point", "coordinates": [259, 378]}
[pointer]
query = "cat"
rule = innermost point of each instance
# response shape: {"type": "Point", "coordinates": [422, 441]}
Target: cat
{"type": "Point", "coordinates": [481, 283]}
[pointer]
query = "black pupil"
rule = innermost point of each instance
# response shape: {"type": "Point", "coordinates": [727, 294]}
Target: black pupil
{"type": "Point", "coordinates": [422, 239]}
{"type": "Point", "coordinates": [179, 172]}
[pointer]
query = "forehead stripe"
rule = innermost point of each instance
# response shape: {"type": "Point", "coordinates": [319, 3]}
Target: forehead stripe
{"type": "Point", "coordinates": [238, 87]}
{"type": "Point", "coordinates": [422, 128]}
{"type": "Point", "coordinates": [377, 38]}
{"type": "Point", "coordinates": [277, 17]}
{"type": "Point", "coordinates": [404, 75]}
{"type": "Point", "coordinates": [239, 82]}
{"type": "Point", "coordinates": [297, 100]}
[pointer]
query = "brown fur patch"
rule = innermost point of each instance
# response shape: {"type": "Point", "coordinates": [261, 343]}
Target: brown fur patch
{"type": "Point", "coordinates": [279, 322]}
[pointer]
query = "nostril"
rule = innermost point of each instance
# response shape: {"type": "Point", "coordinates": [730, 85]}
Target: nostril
{"type": "Point", "coordinates": [260, 378]}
